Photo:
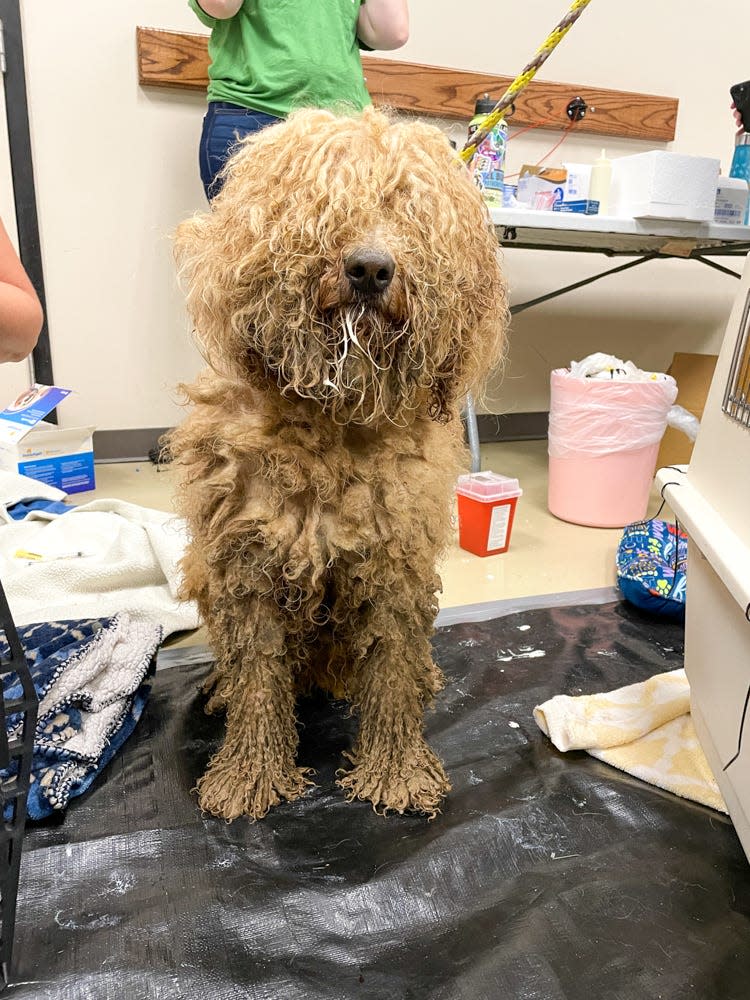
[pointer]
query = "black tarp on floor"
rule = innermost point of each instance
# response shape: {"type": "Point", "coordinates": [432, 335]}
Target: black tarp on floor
{"type": "Point", "coordinates": [547, 877]}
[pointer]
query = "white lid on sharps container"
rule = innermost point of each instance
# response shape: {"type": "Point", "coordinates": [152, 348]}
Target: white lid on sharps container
{"type": "Point", "coordinates": [488, 486]}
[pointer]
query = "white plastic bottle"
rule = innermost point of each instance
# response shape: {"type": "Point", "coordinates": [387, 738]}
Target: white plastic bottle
{"type": "Point", "coordinates": [601, 181]}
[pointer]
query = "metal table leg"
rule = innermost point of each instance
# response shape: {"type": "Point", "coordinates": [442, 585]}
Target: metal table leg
{"type": "Point", "coordinates": [472, 431]}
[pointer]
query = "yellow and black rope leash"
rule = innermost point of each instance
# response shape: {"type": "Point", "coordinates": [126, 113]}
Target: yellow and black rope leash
{"type": "Point", "coordinates": [524, 78]}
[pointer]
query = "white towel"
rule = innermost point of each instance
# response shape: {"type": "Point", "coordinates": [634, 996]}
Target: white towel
{"type": "Point", "coordinates": [128, 563]}
{"type": "Point", "coordinates": [645, 729]}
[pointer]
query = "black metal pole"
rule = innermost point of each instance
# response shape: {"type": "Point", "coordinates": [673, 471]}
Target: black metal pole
{"type": "Point", "coordinates": [22, 171]}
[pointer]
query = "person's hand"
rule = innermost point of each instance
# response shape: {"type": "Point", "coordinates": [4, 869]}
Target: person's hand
{"type": "Point", "coordinates": [737, 118]}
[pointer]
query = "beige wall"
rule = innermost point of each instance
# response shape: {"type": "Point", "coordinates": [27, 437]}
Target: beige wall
{"type": "Point", "coordinates": [116, 169]}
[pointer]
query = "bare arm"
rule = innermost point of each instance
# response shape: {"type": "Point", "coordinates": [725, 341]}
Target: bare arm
{"type": "Point", "coordinates": [220, 8]}
{"type": "Point", "coordinates": [20, 311]}
{"type": "Point", "coordinates": [383, 24]}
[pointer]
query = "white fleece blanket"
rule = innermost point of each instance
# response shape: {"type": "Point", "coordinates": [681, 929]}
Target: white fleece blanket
{"type": "Point", "coordinates": [98, 560]}
{"type": "Point", "coordinates": [14, 488]}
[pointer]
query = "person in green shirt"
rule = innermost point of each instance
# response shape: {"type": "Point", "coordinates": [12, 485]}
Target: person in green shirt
{"type": "Point", "coordinates": [269, 57]}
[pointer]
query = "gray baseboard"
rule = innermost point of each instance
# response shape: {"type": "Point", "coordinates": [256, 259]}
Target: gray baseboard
{"type": "Point", "coordinates": [134, 444]}
{"type": "Point", "coordinates": [129, 445]}
{"type": "Point", "coordinates": [512, 426]}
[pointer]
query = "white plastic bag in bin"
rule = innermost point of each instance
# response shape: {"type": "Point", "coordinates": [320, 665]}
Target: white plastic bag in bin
{"type": "Point", "coordinates": [606, 421]}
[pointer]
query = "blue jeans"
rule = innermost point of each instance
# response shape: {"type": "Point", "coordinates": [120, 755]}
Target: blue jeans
{"type": "Point", "coordinates": [223, 126]}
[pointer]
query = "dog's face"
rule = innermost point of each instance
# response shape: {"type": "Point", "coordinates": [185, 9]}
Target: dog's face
{"type": "Point", "coordinates": [348, 261]}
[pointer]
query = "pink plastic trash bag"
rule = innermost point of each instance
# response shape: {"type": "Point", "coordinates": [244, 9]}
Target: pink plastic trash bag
{"type": "Point", "coordinates": [603, 441]}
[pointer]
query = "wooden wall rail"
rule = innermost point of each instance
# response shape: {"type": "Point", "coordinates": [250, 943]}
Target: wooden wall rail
{"type": "Point", "coordinates": [176, 59]}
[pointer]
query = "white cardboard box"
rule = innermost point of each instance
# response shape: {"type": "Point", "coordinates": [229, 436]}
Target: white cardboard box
{"type": "Point", "coordinates": [660, 185]}
{"type": "Point", "coordinates": [59, 456]}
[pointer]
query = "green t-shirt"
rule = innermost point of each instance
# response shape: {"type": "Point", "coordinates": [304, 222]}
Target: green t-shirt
{"type": "Point", "coordinates": [278, 55]}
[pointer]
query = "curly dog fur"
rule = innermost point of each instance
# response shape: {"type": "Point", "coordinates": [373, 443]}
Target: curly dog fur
{"type": "Point", "coordinates": [319, 458]}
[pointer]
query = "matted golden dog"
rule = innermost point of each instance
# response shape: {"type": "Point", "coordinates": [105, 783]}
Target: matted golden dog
{"type": "Point", "coordinates": [346, 292]}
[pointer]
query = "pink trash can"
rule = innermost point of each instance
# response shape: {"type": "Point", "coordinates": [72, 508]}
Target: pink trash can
{"type": "Point", "coordinates": [603, 442]}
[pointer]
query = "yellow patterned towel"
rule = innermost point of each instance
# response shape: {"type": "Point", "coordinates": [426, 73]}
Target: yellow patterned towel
{"type": "Point", "coordinates": [645, 729]}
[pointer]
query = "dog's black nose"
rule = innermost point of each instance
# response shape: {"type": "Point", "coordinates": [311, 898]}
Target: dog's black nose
{"type": "Point", "coordinates": [369, 271]}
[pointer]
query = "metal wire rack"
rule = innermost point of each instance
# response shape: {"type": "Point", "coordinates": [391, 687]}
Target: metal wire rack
{"type": "Point", "coordinates": [737, 393]}
{"type": "Point", "coordinates": [18, 715]}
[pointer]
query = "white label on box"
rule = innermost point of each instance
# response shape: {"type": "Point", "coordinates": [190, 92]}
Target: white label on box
{"type": "Point", "coordinates": [730, 206]}
{"type": "Point", "coordinates": [578, 181]}
{"type": "Point", "coordinates": [498, 526]}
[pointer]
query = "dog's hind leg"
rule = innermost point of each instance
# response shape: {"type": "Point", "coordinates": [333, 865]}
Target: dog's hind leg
{"type": "Point", "coordinates": [395, 676]}
{"type": "Point", "coordinates": [255, 680]}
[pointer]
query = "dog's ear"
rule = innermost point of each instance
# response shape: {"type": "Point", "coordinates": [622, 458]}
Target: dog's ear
{"type": "Point", "coordinates": [472, 342]}
{"type": "Point", "coordinates": [202, 274]}
{"type": "Point", "coordinates": [188, 238]}
{"type": "Point", "coordinates": [446, 386]}
{"type": "Point", "coordinates": [459, 374]}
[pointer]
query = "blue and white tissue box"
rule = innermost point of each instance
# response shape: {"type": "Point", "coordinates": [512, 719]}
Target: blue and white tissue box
{"type": "Point", "coordinates": [581, 207]}
{"type": "Point", "coordinates": [59, 456]}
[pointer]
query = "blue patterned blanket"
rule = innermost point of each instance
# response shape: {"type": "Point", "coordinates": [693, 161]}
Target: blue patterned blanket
{"type": "Point", "coordinates": [93, 680]}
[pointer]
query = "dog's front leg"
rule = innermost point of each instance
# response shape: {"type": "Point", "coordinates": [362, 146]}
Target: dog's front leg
{"type": "Point", "coordinates": [393, 765]}
{"type": "Point", "coordinates": [255, 681]}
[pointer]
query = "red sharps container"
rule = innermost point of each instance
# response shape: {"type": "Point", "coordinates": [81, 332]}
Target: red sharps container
{"type": "Point", "coordinates": [486, 508]}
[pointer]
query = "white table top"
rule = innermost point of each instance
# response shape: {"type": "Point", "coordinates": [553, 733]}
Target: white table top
{"type": "Point", "coordinates": [568, 230]}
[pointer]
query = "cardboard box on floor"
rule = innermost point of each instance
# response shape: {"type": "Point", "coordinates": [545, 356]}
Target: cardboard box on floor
{"type": "Point", "coordinates": [59, 456]}
{"type": "Point", "coordinates": [693, 374]}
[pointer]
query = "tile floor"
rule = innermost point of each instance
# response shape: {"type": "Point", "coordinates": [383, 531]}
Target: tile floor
{"type": "Point", "coordinates": [546, 556]}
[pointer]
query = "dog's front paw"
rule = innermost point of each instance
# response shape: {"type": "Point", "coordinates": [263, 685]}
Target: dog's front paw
{"type": "Point", "coordinates": [407, 782]}
{"type": "Point", "coordinates": [229, 789]}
